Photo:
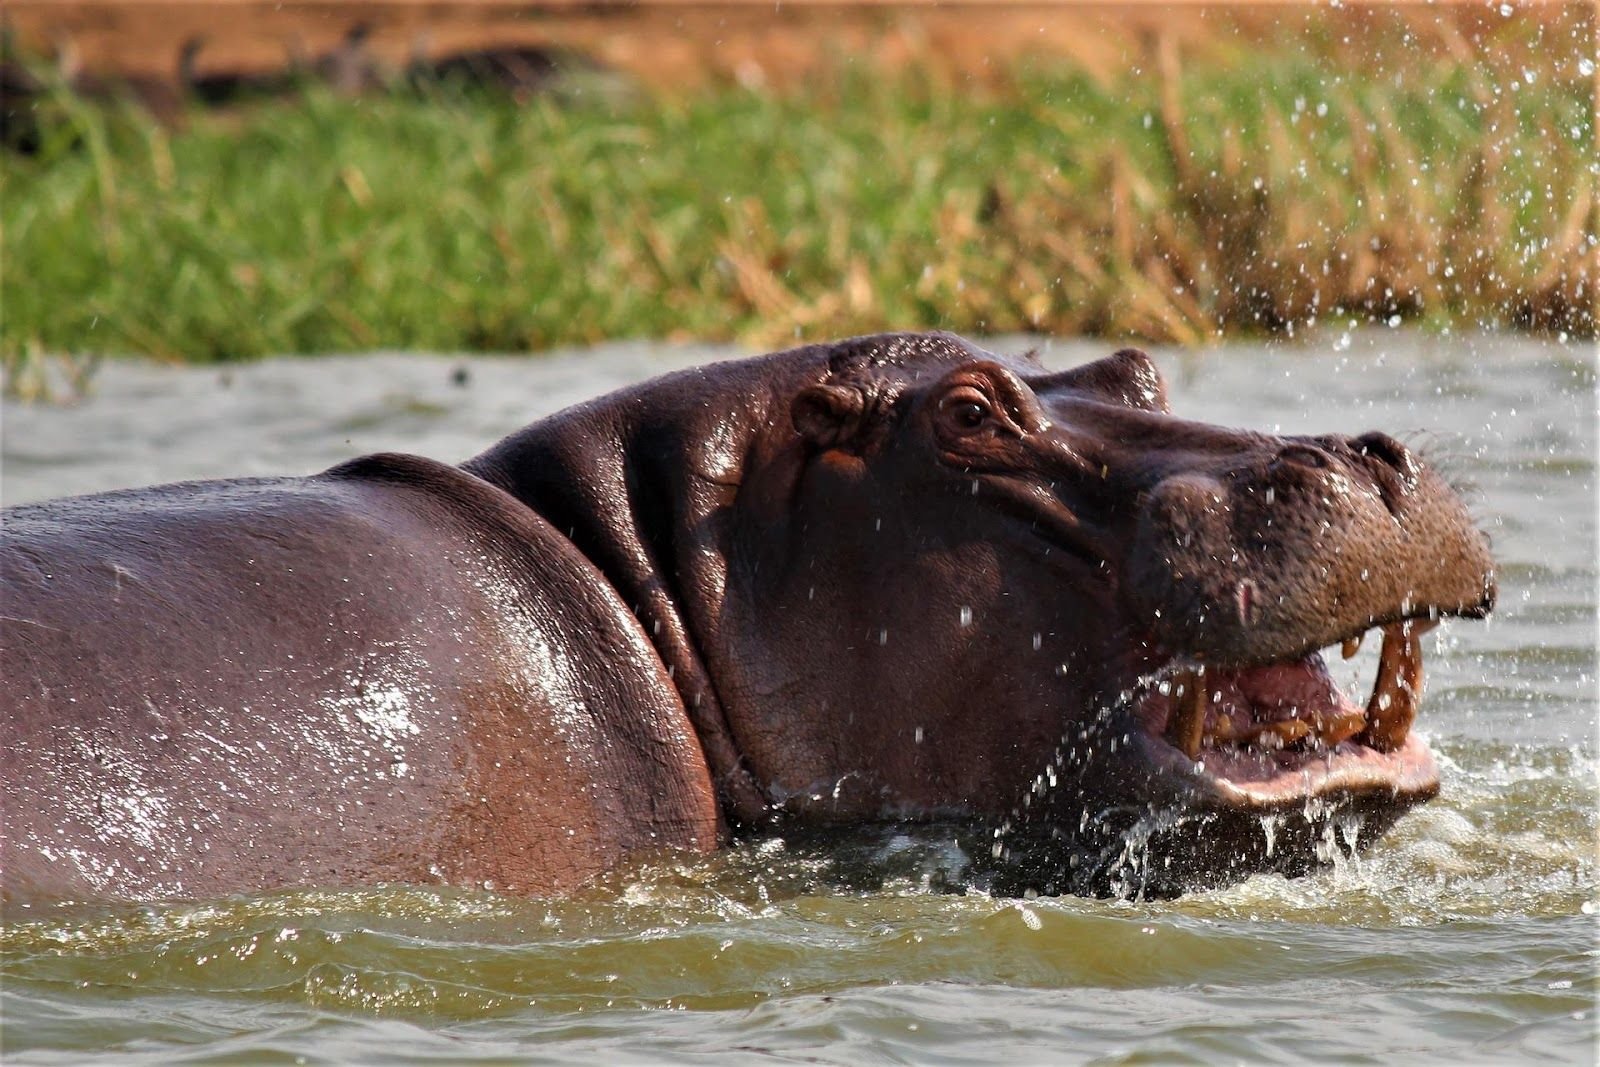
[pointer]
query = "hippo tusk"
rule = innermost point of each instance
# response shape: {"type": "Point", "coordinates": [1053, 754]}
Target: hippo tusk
{"type": "Point", "coordinates": [1187, 721]}
{"type": "Point", "coordinates": [1351, 645]}
{"type": "Point", "coordinates": [1393, 707]}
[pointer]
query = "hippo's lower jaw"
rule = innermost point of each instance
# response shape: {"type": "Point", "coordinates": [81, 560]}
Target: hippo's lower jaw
{"type": "Point", "coordinates": [1272, 736]}
{"type": "Point", "coordinates": [1236, 771]}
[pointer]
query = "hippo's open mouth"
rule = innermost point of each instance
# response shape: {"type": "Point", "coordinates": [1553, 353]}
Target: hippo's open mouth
{"type": "Point", "coordinates": [1275, 734]}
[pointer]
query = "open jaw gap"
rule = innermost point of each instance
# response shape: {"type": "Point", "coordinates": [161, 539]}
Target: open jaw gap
{"type": "Point", "coordinates": [1278, 731]}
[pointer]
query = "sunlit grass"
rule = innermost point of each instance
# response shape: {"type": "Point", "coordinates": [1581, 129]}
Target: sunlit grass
{"type": "Point", "coordinates": [1180, 207]}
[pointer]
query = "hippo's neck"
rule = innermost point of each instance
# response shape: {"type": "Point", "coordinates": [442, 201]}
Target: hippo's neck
{"type": "Point", "coordinates": [643, 483]}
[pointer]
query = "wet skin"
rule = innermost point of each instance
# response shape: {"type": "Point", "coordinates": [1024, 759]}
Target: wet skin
{"type": "Point", "coordinates": [894, 578]}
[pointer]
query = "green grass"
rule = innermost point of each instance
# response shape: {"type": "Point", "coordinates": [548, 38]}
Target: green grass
{"type": "Point", "coordinates": [1205, 203]}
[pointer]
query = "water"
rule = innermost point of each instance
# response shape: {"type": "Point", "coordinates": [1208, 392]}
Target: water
{"type": "Point", "coordinates": [1466, 935]}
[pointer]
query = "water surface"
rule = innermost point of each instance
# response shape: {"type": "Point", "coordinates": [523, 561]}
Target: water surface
{"type": "Point", "coordinates": [1466, 935]}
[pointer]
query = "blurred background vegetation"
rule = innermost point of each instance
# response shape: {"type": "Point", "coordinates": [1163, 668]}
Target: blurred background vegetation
{"type": "Point", "coordinates": [214, 185]}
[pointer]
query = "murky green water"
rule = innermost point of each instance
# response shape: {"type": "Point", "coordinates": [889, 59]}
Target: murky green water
{"type": "Point", "coordinates": [1466, 935]}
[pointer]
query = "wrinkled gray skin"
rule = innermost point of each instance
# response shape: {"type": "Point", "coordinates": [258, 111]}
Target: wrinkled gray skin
{"type": "Point", "coordinates": [892, 578]}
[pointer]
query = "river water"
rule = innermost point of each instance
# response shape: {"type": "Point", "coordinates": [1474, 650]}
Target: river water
{"type": "Point", "coordinates": [1468, 934]}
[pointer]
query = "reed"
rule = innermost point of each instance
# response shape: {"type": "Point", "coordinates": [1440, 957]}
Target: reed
{"type": "Point", "coordinates": [1190, 203]}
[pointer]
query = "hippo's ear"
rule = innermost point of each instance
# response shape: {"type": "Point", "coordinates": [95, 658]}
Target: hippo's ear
{"type": "Point", "coordinates": [1127, 377]}
{"type": "Point", "coordinates": [829, 415]}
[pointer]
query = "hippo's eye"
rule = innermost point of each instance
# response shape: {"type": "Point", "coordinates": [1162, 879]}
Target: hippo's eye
{"type": "Point", "coordinates": [970, 415]}
{"type": "Point", "coordinates": [966, 409]}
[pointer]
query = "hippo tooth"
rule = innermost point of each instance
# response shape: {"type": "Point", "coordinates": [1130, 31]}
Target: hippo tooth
{"type": "Point", "coordinates": [1222, 732]}
{"type": "Point", "coordinates": [1393, 707]}
{"type": "Point", "coordinates": [1351, 646]}
{"type": "Point", "coordinates": [1341, 727]}
{"type": "Point", "coordinates": [1187, 720]}
{"type": "Point", "coordinates": [1280, 734]}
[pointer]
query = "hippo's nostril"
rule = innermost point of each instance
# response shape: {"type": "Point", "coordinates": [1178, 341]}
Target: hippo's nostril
{"type": "Point", "coordinates": [1302, 455]}
{"type": "Point", "coordinates": [1382, 447]}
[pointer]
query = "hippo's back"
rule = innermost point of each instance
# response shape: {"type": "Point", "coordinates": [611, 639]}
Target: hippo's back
{"type": "Point", "coordinates": [333, 680]}
{"type": "Point", "coordinates": [119, 589]}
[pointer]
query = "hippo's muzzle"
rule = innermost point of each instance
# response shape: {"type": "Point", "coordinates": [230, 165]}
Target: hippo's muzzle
{"type": "Point", "coordinates": [1245, 571]}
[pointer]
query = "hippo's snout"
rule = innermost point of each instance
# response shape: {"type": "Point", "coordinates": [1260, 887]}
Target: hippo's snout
{"type": "Point", "coordinates": [1307, 543]}
{"type": "Point", "coordinates": [1241, 573]}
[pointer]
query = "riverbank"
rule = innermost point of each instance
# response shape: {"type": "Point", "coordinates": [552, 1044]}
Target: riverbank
{"type": "Point", "coordinates": [1179, 201]}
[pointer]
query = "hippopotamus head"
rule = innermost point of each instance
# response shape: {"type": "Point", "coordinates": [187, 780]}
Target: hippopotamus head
{"type": "Point", "coordinates": [903, 578]}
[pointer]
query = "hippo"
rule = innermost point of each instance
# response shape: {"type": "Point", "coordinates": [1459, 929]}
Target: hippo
{"type": "Point", "coordinates": [887, 581]}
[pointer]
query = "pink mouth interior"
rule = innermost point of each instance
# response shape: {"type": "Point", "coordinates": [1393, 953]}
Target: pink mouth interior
{"type": "Point", "coordinates": [1251, 751]}
{"type": "Point", "coordinates": [1244, 699]}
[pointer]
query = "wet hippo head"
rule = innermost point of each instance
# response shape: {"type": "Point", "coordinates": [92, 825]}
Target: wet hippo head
{"type": "Point", "coordinates": [954, 584]}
